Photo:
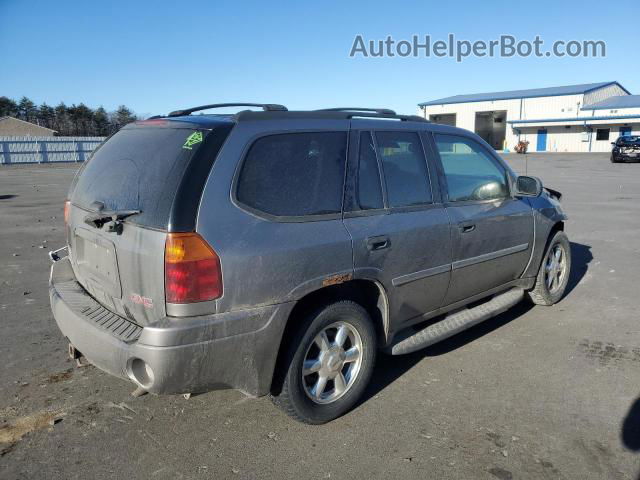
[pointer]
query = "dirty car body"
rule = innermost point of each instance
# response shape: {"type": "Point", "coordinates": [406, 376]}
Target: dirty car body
{"type": "Point", "coordinates": [196, 243]}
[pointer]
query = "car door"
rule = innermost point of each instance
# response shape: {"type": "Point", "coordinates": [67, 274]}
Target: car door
{"type": "Point", "coordinates": [491, 230]}
{"type": "Point", "coordinates": [393, 213]}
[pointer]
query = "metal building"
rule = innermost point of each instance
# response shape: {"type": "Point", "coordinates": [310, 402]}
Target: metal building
{"type": "Point", "coordinates": [572, 118]}
{"type": "Point", "coordinates": [16, 127]}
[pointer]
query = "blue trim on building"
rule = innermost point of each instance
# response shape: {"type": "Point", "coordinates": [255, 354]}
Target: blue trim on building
{"type": "Point", "coordinates": [530, 93]}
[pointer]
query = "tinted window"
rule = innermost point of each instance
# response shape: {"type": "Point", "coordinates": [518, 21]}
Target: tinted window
{"type": "Point", "coordinates": [294, 174]}
{"type": "Point", "coordinates": [404, 167]}
{"type": "Point", "coordinates": [139, 168]}
{"type": "Point", "coordinates": [369, 189]}
{"type": "Point", "coordinates": [470, 172]}
{"type": "Point", "coordinates": [628, 140]}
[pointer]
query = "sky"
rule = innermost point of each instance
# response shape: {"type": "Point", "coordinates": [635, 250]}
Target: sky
{"type": "Point", "coordinates": [158, 56]}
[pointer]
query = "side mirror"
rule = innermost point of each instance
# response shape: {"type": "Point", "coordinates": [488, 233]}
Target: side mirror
{"type": "Point", "coordinates": [528, 186]}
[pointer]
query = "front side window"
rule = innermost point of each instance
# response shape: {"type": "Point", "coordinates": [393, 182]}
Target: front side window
{"type": "Point", "coordinates": [470, 172]}
{"type": "Point", "coordinates": [405, 168]}
{"type": "Point", "coordinates": [294, 174]}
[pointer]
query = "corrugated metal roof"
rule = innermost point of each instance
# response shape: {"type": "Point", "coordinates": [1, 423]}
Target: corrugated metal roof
{"type": "Point", "coordinates": [620, 101]}
{"type": "Point", "coordinates": [531, 93]}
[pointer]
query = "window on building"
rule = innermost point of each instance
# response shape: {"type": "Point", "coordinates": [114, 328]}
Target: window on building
{"type": "Point", "coordinates": [405, 168]}
{"type": "Point", "coordinates": [295, 174]}
{"type": "Point", "coordinates": [470, 171]}
{"type": "Point", "coordinates": [602, 133]}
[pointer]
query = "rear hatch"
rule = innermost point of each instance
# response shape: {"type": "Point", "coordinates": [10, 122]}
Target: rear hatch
{"type": "Point", "coordinates": [143, 182]}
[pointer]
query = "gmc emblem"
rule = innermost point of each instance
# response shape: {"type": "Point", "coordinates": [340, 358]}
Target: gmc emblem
{"type": "Point", "coordinates": [140, 300]}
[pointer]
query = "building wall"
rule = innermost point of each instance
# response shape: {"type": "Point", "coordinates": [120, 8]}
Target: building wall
{"type": "Point", "coordinates": [466, 114]}
{"type": "Point", "coordinates": [559, 138]}
{"type": "Point", "coordinates": [572, 139]}
{"type": "Point", "coordinates": [12, 126]}
{"type": "Point", "coordinates": [551, 107]}
{"type": "Point", "coordinates": [616, 111]}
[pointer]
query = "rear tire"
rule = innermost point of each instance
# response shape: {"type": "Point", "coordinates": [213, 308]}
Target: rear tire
{"type": "Point", "coordinates": [328, 363]}
{"type": "Point", "coordinates": [554, 271]}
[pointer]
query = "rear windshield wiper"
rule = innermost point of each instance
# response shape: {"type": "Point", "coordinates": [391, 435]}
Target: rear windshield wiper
{"type": "Point", "coordinates": [112, 217]}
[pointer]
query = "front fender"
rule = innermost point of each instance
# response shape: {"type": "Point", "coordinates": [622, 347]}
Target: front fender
{"type": "Point", "coordinates": [547, 214]}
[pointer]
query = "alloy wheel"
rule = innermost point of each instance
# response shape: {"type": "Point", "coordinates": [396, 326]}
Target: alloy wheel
{"type": "Point", "coordinates": [332, 363]}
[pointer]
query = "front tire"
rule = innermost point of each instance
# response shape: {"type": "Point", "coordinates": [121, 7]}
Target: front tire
{"type": "Point", "coordinates": [553, 275]}
{"type": "Point", "coordinates": [328, 364]}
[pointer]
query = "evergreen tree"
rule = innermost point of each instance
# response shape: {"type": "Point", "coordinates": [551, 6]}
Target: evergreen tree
{"type": "Point", "coordinates": [46, 116]}
{"type": "Point", "coordinates": [101, 122]}
{"type": "Point", "coordinates": [62, 123]}
{"type": "Point", "coordinates": [27, 110]}
{"type": "Point", "coordinates": [123, 116]}
{"type": "Point", "coordinates": [8, 107]}
{"type": "Point", "coordinates": [76, 120]}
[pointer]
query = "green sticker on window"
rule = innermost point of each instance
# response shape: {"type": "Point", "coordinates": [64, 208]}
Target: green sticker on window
{"type": "Point", "coordinates": [193, 139]}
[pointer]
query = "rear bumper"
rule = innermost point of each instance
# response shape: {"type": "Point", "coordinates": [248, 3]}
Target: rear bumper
{"type": "Point", "coordinates": [229, 350]}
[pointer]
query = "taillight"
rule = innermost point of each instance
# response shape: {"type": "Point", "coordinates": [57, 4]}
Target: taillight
{"type": "Point", "coordinates": [192, 270]}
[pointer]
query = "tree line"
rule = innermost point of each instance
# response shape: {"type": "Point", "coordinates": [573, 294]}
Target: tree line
{"type": "Point", "coordinates": [75, 120]}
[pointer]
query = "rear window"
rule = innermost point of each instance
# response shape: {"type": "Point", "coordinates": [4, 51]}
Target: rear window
{"type": "Point", "coordinates": [294, 174]}
{"type": "Point", "coordinates": [139, 168]}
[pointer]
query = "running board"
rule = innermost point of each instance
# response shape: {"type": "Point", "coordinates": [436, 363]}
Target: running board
{"type": "Point", "coordinates": [456, 322]}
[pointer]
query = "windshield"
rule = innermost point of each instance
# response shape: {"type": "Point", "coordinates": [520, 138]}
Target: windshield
{"type": "Point", "coordinates": [629, 140]}
{"type": "Point", "coordinates": [138, 169]}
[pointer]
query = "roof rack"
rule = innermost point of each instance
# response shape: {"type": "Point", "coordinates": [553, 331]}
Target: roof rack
{"type": "Point", "coordinates": [381, 111]}
{"type": "Point", "coordinates": [334, 114]}
{"type": "Point", "coordinates": [267, 107]}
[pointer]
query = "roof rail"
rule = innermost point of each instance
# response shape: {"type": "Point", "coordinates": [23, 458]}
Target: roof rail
{"type": "Point", "coordinates": [324, 115]}
{"type": "Point", "coordinates": [267, 107]}
{"type": "Point", "coordinates": [381, 111]}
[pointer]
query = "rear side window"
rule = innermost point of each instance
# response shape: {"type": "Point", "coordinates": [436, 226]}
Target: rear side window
{"type": "Point", "coordinates": [139, 168]}
{"type": "Point", "coordinates": [368, 188]}
{"type": "Point", "coordinates": [294, 174]}
{"type": "Point", "coordinates": [405, 168]}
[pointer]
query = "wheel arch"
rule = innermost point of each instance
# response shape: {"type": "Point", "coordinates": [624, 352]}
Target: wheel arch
{"type": "Point", "coordinates": [545, 227]}
{"type": "Point", "coordinates": [370, 294]}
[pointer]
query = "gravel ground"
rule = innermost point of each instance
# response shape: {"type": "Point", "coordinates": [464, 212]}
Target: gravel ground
{"type": "Point", "coordinates": [544, 392]}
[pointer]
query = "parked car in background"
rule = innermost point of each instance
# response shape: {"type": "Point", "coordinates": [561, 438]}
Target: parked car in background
{"type": "Point", "coordinates": [276, 252]}
{"type": "Point", "coordinates": [626, 149]}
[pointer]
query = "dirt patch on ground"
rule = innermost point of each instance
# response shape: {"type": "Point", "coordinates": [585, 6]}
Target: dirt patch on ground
{"type": "Point", "coordinates": [15, 430]}
{"type": "Point", "coordinates": [60, 376]}
{"type": "Point", "coordinates": [607, 353]}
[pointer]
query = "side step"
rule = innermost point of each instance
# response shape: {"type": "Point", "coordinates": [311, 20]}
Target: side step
{"type": "Point", "coordinates": [456, 323]}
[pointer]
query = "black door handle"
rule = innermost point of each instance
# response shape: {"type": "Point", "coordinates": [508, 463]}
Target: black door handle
{"type": "Point", "coordinates": [467, 228]}
{"type": "Point", "coordinates": [378, 243]}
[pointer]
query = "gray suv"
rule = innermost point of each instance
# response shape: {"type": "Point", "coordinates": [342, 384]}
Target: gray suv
{"type": "Point", "coordinates": [277, 252]}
